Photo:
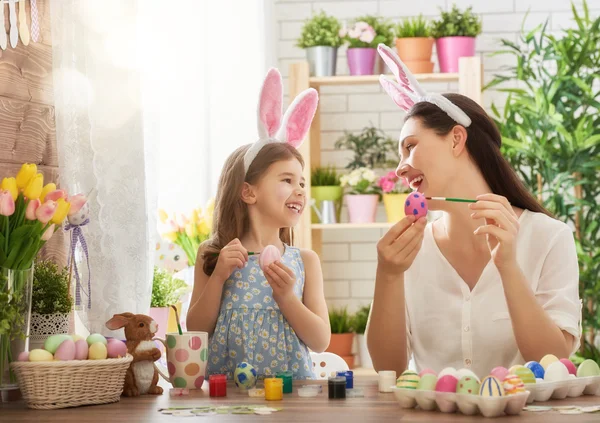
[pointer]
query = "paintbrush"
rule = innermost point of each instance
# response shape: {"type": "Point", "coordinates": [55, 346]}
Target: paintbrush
{"type": "Point", "coordinates": [177, 319]}
{"type": "Point", "coordinates": [455, 200]}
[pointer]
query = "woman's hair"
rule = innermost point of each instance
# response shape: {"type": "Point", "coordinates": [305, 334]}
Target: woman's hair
{"type": "Point", "coordinates": [231, 218]}
{"type": "Point", "coordinates": [483, 144]}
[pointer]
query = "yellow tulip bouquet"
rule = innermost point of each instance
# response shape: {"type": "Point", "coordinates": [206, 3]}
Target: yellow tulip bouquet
{"type": "Point", "coordinates": [188, 231]}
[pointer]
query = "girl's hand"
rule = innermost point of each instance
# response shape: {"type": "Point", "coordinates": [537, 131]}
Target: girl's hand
{"type": "Point", "coordinates": [397, 249]}
{"type": "Point", "coordinates": [501, 228]}
{"type": "Point", "coordinates": [282, 279]}
{"type": "Point", "coordinates": [232, 256]}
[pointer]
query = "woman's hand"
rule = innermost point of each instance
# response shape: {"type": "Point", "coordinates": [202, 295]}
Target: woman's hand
{"type": "Point", "coordinates": [397, 249]}
{"type": "Point", "coordinates": [501, 228]}
{"type": "Point", "coordinates": [232, 256]}
{"type": "Point", "coordinates": [282, 279]}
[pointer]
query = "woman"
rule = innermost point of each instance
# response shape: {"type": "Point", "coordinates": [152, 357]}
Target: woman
{"type": "Point", "coordinates": [493, 283]}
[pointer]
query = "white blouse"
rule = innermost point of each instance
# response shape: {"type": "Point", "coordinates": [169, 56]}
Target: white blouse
{"type": "Point", "coordinates": [450, 326]}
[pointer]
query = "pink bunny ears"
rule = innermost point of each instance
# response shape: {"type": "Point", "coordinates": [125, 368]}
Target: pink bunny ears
{"type": "Point", "coordinates": [272, 126]}
{"type": "Point", "coordinates": [407, 91]}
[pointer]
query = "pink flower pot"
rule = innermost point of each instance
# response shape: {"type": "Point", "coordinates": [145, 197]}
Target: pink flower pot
{"type": "Point", "coordinates": [362, 208]}
{"type": "Point", "coordinates": [361, 61]}
{"type": "Point", "coordinates": [450, 49]}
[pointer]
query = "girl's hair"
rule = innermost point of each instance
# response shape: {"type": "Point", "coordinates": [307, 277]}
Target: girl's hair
{"type": "Point", "coordinates": [231, 218]}
{"type": "Point", "coordinates": [483, 144]}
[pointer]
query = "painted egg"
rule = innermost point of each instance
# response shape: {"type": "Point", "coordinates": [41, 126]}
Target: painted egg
{"type": "Point", "coordinates": [468, 385]}
{"type": "Point", "coordinates": [53, 342]}
{"type": "Point", "coordinates": [245, 375]}
{"type": "Point", "coordinates": [40, 355]}
{"type": "Point", "coordinates": [81, 349]}
{"type": "Point", "coordinates": [96, 337]}
{"type": "Point", "coordinates": [408, 380]}
{"type": "Point", "coordinates": [588, 368]}
{"type": "Point", "coordinates": [556, 372]}
{"type": "Point", "coordinates": [499, 372]}
{"type": "Point", "coordinates": [466, 372]}
{"type": "Point", "coordinates": [491, 387]}
{"type": "Point", "coordinates": [446, 383]}
{"type": "Point", "coordinates": [24, 356]}
{"type": "Point", "coordinates": [76, 337]}
{"type": "Point", "coordinates": [97, 351]}
{"type": "Point", "coordinates": [415, 204]}
{"type": "Point", "coordinates": [116, 348]}
{"type": "Point", "coordinates": [523, 373]}
{"type": "Point", "coordinates": [427, 371]}
{"type": "Point", "coordinates": [537, 369]}
{"type": "Point", "coordinates": [569, 365]}
{"type": "Point", "coordinates": [427, 382]}
{"type": "Point", "coordinates": [548, 360]}
{"type": "Point", "coordinates": [269, 255]}
{"type": "Point", "coordinates": [448, 371]}
{"type": "Point", "coordinates": [65, 351]}
{"type": "Point", "coordinates": [513, 385]}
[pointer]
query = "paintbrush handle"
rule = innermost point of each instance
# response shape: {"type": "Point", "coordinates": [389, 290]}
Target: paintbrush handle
{"type": "Point", "coordinates": [454, 200]}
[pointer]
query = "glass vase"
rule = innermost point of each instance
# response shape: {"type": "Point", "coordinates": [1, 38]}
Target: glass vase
{"type": "Point", "coordinates": [15, 314]}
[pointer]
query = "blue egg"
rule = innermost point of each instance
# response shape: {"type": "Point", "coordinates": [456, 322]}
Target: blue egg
{"type": "Point", "coordinates": [244, 375]}
{"type": "Point", "coordinates": [536, 368]}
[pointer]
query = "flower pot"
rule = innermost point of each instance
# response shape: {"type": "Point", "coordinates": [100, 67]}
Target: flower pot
{"type": "Point", "coordinates": [361, 61]}
{"type": "Point", "coordinates": [362, 208]}
{"type": "Point", "coordinates": [415, 49]}
{"type": "Point", "coordinates": [341, 344]}
{"type": "Point", "coordinates": [326, 193]}
{"type": "Point", "coordinates": [363, 352]}
{"type": "Point", "coordinates": [394, 206]}
{"type": "Point", "coordinates": [161, 317]}
{"type": "Point", "coordinates": [450, 49]}
{"type": "Point", "coordinates": [44, 325]}
{"type": "Point", "coordinates": [419, 67]}
{"type": "Point", "coordinates": [322, 60]}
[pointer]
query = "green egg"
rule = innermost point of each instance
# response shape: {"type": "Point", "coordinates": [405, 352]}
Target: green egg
{"type": "Point", "coordinates": [53, 342]}
{"type": "Point", "coordinates": [588, 368]}
{"type": "Point", "coordinates": [427, 382]}
{"type": "Point", "coordinates": [96, 337]}
{"type": "Point", "coordinates": [467, 385]}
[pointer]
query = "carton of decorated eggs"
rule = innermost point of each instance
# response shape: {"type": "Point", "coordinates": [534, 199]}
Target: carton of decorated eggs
{"type": "Point", "coordinates": [73, 347]}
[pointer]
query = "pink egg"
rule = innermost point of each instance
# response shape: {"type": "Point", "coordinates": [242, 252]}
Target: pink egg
{"type": "Point", "coordinates": [427, 371]}
{"type": "Point", "coordinates": [415, 204]}
{"type": "Point", "coordinates": [24, 356]}
{"type": "Point", "coordinates": [81, 349]}
{"type": "Point", "coordinates": [499, 372]}
{"type": "Point", "coordinates": [65, 351]}
{"type": "Point", "coordinates": [269, 255]}
{"type": "Point", "coordinates": [116, 348]}
{"type": "Point", "coordinates": [569, 365]}
{"type": "Point", "coordinates": [446, 384]}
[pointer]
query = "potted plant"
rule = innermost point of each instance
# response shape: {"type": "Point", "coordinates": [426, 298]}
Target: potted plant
{"type": "Point", "coordinates": [395, 190]}
{"type": "Point", "coordinates": [166, 291]}
{"type": "Point", "coordinates": [415, 44]}
{"type": "Point", "coordinates": [455, 34]}
{"type": "Point", "coordinates": [359, 324]}
{"type": "Point", "coordinates": [372, 148]}
{"type": "Point", "coordinates": [321, 40]}
{"type": "Point", "coordinates": [383, 27]}
{"type": "Point", "coordinates": [342, 335]}
{"type": "Point", "coordinates": [50, 303]}
{"type": "Point", "coordinates": [363, 195]}
{"type": "Point", "coordinates": [325, 186]}
{"type": "Point", "coordinates": [362, 40]}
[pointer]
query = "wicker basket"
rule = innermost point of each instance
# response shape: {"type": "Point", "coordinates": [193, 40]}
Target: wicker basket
{"type": "Point", "coordinates": [48, 385]}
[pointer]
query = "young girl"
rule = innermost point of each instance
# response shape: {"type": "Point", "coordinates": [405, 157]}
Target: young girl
{"type": "Point", "coordinates": [269, 319]}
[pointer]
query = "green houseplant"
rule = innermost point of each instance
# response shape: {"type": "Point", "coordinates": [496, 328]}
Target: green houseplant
{"type": "Point", "coordinates": [325, 186]}
{"type": "Point", "coordinates": [455, 34]}
{"type": "Point", "coordinates": [359, 324]}
{"type": "Point", "coordinates": [362, 40]}
{"type": "Point", "coordinates": [415, 44]}
{"type": "Point", "coordinates": [166, 291]}
{"type": "Point", "coordinates": [551, 135]}
{"type": "Point", "coordinates": [320, 37]}
{"type": "Point", "coordinates": [372, 148]}
{"type": "Point", "coordinates": [342, 334]}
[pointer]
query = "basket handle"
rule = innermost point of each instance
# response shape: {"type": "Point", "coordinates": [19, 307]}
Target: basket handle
{"type": "Point", "coordinates": [158, 367]}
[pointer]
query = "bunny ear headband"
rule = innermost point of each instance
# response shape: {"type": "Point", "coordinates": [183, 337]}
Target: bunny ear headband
{"type": "Point", "coordinates": [407, 92]}
{"type": "Point", "coordinates": [290, 128]}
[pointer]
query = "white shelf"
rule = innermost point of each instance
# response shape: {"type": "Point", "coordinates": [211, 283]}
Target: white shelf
{"type": "Point", "coordinates": [376, 225]}
{"type": "Point", "coordinates": [316, 81]}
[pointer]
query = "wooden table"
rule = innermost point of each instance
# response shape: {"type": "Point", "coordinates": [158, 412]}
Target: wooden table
{"type": "Point", "coordinates": [374, 407]}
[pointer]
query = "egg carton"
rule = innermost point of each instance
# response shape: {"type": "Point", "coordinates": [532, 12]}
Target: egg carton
{"type": "Point", "coordinates": [570, 388]}
{"type": "Point", "coordinates": [448, 402]}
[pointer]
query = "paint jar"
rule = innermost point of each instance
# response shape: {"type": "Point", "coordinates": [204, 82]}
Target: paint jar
{"type": "Point", "coordinates": [217, 385]}
{"type": "Point", "coordinates": [349, 375]}
{"type": "Point", "coordinates": [337, 387]}
{"type": "Point", "coordinates": [387, 379]}
{"type": "Point", "coordinates": [287, 378]}
{"type": "Point", "coordinates": [273, 389]}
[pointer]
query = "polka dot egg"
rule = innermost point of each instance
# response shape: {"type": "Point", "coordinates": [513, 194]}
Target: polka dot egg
{"type": "Point", "coordinates": [245, 376]}
{"type": "Point", "coordinates": [415, 204]}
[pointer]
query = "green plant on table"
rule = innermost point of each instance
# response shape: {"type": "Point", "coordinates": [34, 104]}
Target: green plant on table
{"type": "Point", "coordinates": [320, 30]}
{"type": "Point", "coordinates": [166, 290]}
{"type": "Point", "coordinates": [413, 27]}
{"type": "Point", "coordinates": [456, 23]}
{"type": "Point", "coordinates": [340, 320]}
{"type": "Point", "coordinates": [324, 177]}
{"type": "Point", "coordinates": [50, 289]}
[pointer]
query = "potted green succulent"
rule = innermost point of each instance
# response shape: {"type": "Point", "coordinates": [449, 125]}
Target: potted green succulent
{"type": "Point", "coordinates": [415, 44]}
{"type": "Point", "coordinates": [320, 37]}
{"type": "Point", "coordinates": [166, 291]}
{"type": "Point", "coordinates": [342, 335]}
{"type": "Point", "coordinates": [455, 34]}
{"type": "Point", "coordinates": [359, 323]}
{"type": "Point", "coordinates": [50, 302]}
{"type": "Point", "coordinates": [325, 186]}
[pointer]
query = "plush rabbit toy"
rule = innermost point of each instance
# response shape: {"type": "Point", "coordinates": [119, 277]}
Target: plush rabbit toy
{"type": "Point", "coordinates": [142, 376]}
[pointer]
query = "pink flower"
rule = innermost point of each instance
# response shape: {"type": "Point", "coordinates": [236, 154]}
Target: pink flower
{"type": "Point", "coordinates": [388, 186]}
{"type": "Point", "coordinates": [45, 212]}
{"type": "Point", "coordinates": [354, 33]}
{"type": "Point", "coordinates": [368, 35]}
{"type": "Point", "coordinates": [55, 195]}
{"type": "Point", "coordinates": [31, 209]}
{"type": "Point", "coordinates": [77, 202]}
{"type": "Point", "coordinates": [7, 204]}
{"type": "Point", "coordinates": [391, 175]}
{"type": "Point", "coordinates": [362, 25]}
{"type": "Point", "coordinates": [343, 32]}
{"type": "Point", "coordinates": [48, 233]}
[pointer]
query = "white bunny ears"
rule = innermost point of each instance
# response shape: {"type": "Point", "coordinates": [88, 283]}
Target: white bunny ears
{"type": "Point", "coordinates": [407, 92]}
{"type": "Point", "coordinates": [294, 125]}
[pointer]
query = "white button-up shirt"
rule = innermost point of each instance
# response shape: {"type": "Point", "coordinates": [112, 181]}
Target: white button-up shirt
{"type": "Point", "coordinates": [450, 326]}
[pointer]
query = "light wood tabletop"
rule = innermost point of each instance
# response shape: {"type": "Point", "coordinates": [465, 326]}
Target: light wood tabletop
{"type": "Point", "coordinates": [374, 407]}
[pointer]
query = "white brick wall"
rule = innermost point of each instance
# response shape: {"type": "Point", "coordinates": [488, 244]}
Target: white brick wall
{"type": "Point", "coordinates": [349, 257]}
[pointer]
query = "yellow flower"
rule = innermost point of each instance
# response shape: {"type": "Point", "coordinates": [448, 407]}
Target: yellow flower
{"type": "Point", "coordinates": [190, 229]}
{"type": "Point", "coordinates": [27, 172]}
{"type": "Point", "coordinates": [163, 216]}
{"type": "Point", "coordinates": [62, 208]}
{"type": "Point", "coordinates": [47, 190]}
{"type": "Point", "coordinates": [171, 236]}
{"type": "Point", "coordinates": [203, 227]}
{"type": "Point", "coordinates": [34, 187]}
{"type": "Point", "coordinates": [10, 185]}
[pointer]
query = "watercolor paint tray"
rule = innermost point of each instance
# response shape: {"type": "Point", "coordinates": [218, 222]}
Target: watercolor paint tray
{"type": "Point", "coordinates": [571, 388]}
{"type": "Point", "coordinates": [448, 402]}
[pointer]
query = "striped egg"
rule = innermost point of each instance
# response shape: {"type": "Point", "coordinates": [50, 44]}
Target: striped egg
{"type": "Point", "coordinates": [415, 204]}
{"type": "Point", "coordinates": [524, 373]}
{"type": "Point", "coordinates": [408, 380]}
{"type": "Point", "coordinates": [491, 387]}
{"type": "Point", "coordinates": [513, 385]}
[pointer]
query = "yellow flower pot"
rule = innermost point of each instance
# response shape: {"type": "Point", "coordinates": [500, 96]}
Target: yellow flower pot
{"type": "Point", "coordinates": [394, 206]}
